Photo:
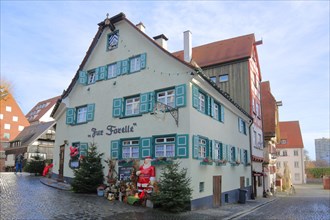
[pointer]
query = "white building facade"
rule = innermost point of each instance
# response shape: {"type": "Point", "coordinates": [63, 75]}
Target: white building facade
{"type": "Point", "coordinates": [112, 102]}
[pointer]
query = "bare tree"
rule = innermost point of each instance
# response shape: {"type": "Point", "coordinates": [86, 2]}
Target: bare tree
{"type": "Point", "coordinates": [6, 88]}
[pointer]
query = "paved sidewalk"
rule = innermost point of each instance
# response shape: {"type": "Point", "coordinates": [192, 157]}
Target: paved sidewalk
{"type": "Point", "coordinates": [226, 211]}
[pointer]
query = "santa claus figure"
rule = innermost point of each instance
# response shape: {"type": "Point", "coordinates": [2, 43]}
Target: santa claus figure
{"type": "Point", "coordinates": [146, 175]}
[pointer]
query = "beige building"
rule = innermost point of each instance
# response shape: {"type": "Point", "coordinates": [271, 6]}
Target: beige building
{"type": "Point", "coordinates": [117, 100]}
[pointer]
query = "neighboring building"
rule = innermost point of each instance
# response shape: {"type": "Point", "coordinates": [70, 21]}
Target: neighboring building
{"type": "Point", "coordinates": [233, 65]}
{"type": "Point", "coordinates": [12, 122]}
{"type": "Point", "coordinates": [12, 119]}
{"type": "Point", "coordinates": [322, 149]}
{"type": "Point", "coordinates": [133, 99]}
{"type": "Point", "coordinates": [290, 151]}
{"type": "Point", "coordinates": [271, 131]}
{"type": "Point", "coordinates": [34, 139]}
{"type": "Point", "coordinates": [39, 137]}
{"type": "Point", "coordinates": [41, 112]}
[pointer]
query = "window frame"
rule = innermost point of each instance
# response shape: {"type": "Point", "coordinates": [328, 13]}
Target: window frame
{"type": "Point", "coordinates": [167, 97]}
{"type": "Point", "coordinates": [135, 105]}
{"type": "Point", "coordinates": [130, 144]}
{"type": "Point", "coordinates": [169, 141]}
{"type": "Point", "coordinates": [91, 77]}
{"type": "Point", "coordinates": [213, 79]}
{"type": "Point", "coordinates": [83, 115]}
{"type": "Point", "coordinates": [223, 78]}
{"type": "Point", "coordinates": [218, 150]}
{"type": "Point", "coordinates": [136, 63]}
{"type": "Point", "coordinates": [113, 68]}
{"type": "Point", "coordinates": [202, 102]}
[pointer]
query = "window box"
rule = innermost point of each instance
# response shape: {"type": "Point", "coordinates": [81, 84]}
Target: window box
{"type": "Point", "coordinates": [206, 161]}
{"type": "Point", "coordinates": [220, 162]}
{"type": "Point", "coordinates": [126, 163]}
{"type": "Point", "coordinates": [162, 161]}
{"type": "Point", "coordinates": [235, 163]}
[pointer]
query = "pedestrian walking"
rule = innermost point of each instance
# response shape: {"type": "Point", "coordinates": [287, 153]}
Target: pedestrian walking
{"type": "Point", "coordinates": [19, 163]}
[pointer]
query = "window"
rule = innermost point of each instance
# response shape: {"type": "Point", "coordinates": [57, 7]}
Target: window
{"type": "Point", "coordinates": [283, 141]}
{"type": "Point", "coordinates": [202, 148]}
{"type": "Point", "coordinates": [7, 126]}
{"type": "Point", "coordinates": [255, 138]}
{"type": "Point", "coordinates": [130, 149]}
{"type": "Point", "coordinates": [15, 118]}
{"type": "Point", "coordinates": [216, 111]}
{"type": "Point", "coordinates": [232, 154]}
{"type": "Point", "coordinates": [82, 114]}
{"type": "Point", "coordinates": [257, 109]}
{"type": "Point", "coordinates": [295, 152]}
{"type": "Point", "coordinates": [20, 128]}
{"type": "Point", "coordinates": [245, 157]}
{"type": "Point", "coordinates": [167, 97]}
{"type": "Point", "coordinates": [297, 177]}
{"type": "Point", "coordinates": [218, 151]}
{"type": "Point", "coordinates": [223, 78]}
{"type": "Point", "coordinates": [91, 77]}
{"type": "Point", "coordinates": [259, 141]}
{"type": "Point", "coordinates": [213, 79]}
{"type": "Point", "coordinates": [296, 164]}
{"type": "Point", "coordinates": [165, 147]}
{"type": "Point", "coordinates": [259, 181]}
{"type": "Point", "coordinates": [113, 39]}
{"type": "Point", "coordinates": [6, 136]}
{"type": "Point", "coordinates": [285, 153]}
{"type": "Point", "coordinates": [201, 98]}
{"type": "Point", "coordinates": [1, 116]}
{"type": "Point", "coordinates": [8, 108]}
{"type": "Point", "coordinates": [278, 164]}
{"type": "Point", "coordinates": [132, 106]}
{"type": "Point", "coordinates": [242, 126]}
{"type": "Point", "coordinates": [112, 70]}
{"type": "Point", "coordinates": [201, 186]}
{"type": "Point", "coordinates": [135, 64]}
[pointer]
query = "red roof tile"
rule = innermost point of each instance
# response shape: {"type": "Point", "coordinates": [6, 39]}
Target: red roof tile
{"type": "Point", "coordinates": [290, 131]}
{"type": "Point", "coordinates": [221, 51]}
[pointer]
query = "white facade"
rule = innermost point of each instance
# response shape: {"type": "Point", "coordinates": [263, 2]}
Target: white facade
{"type": "Point", "coordinates": [294, 158]}
{"type": "Point", "coordinates": [112, 122]}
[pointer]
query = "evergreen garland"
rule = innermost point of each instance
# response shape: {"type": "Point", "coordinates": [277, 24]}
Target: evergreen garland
{"type": "Point", "coordinates": [174, 193]}
{"type": "Point", "coordinates": [89, 175]}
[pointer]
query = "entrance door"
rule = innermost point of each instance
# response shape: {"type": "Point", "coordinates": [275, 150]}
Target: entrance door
{"type": "Point", "coordinates": [61, 165]}
{"type": "Point", "coordinates": [216, 191]}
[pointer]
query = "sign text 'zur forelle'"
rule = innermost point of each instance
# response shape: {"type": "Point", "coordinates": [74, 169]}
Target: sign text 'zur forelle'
{"type": "Point", "coordinates": [111, 129]}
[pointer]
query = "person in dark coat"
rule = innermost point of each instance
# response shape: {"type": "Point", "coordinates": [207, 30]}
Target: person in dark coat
{"type": "Point", "coordinates": [19, 163]}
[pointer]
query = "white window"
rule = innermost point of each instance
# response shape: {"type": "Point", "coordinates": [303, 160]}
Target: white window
{"type": "Point", "coordinates": [297, 177]}
{"type": "Point", "coordinates": [167, 97]}
{"type": "Point", "coordinates": [132, 106]}
{"type": "Point", "coordinates": [202, 148]}
{"type": "Point", "coordinates": [164, 147]}
{"type": "Point", "coordinates": [8, 108]}
{"type": "Point", "coordinates": [82, 114]}
{"type": "Point", "coordinates": [20, 128]}
{"type": "Point", "coordinates": [223, 78]}
{"type": "Point", "coordinates": [285, 153]}
{"type": "Point", "coordinates": [218, 151]}
{"type": "Point", "coordinates": [91, 77]}
{"type": "Point", "coordinates": [7, 126]}
{"type": "Point", "coordinates": [278, 164]}
{"type": "Point", "coordinates": [201, 102]}
{"type": "Point", "coordinates": [295, 152]}
{"type": "Point", "coordinates": [15, 118]}
{"type": "Point", "coordinates": [1, 116]}
{"type": "Point", "coordinates": [112, 71]}
{"type": "Point", "coordinates": [296, 164]}
{"type": "Point", "coordinates": [135, 64]}
{"type": "Point", "coordinates": [242, 126]}
{"type": "Point", "coordinates": [130, 149]}
{"type": "Point", "coordinates": [216, 111]}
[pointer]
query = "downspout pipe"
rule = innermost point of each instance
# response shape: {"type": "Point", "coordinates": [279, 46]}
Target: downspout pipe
{"type": "Point", "coordinates": [252, 180]}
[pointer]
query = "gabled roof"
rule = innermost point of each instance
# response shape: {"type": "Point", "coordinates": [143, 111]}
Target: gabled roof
{"type": "Point", "coordinates": [113, 21]}
{"type": "Point", "coordinates": [221, 51]}
{"type": "Point", "coordinates": [41, 109]}
{"type": "Point", "coordinates": [32, 133]}
{"type": "Point", "coordinates": [290, 131]}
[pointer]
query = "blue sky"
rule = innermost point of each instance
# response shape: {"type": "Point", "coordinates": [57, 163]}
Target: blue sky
{"type": "Point", "coordinates": [43, 44]}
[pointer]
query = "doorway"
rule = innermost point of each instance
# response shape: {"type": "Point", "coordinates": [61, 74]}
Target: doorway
{"type": "Point", "coordinates": [61, 165]}
{"type": "Point", "coordinates": [216, 191]}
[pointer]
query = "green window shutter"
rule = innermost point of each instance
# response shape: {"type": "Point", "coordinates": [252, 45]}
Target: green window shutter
{"type": "Point", "coordinates": [222, 113]}
{"type": "Point", "coordinates": [208, 105]}
{"type": "Point", "coordinates": [90, 112]}
{"type": "Point", "coordinates": [228, 152]}
{"type": "Point", "coordinates": [221, 152]}
{"type": "Point", "coordinates": [209, 149]}
{"type": "Point", "coordinates": [83, 149]}
{"type": "Point", "coordinates": [102, 72]}
{"type": "Point", "coordinates": [195, 146]}
{"type": "Point", "coordinates": [151, 101]}
{"type": "Point", "coordinates": [125, 66]}
{"type": "Point", "coordinates": [237, 156]}
{"type": "Point", "coordinates": [143, 61]}
{"type": "Point", "coordinates": [83, 77]}
{"type": "Point", "coordinates": [117, 107]}
{"type": "Point", "coordinates": [114, 151]}
{"type": "Point", "coordinates": [70, 116]}
{"type": "Point", "coordinates": [145, 148]}
{"type": "Point", "coordinates": [180, 95]}
{"type": "Point", "coordinates": [195, 96]}
{"type": "Point", "coordinates": [182, 146]}
{"type": "Point", "coordinates": [144, 102]}
{"type": "Point", "coordinates": [97, 71]}
{"type": "Point", "coordinates": [118, 67]}
{"type": "Point", "coordinates": [214, 150]}
{"type": "Point", "coordinates": [212, 107]}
